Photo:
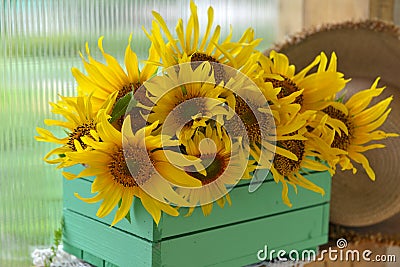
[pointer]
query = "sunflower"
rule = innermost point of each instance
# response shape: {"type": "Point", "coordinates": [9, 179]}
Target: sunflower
{"type": "Point", "coordinates": [191, 47]}
{"type": "Point", "coordinates": [261, 127]}
{"type": "Point", "coordinates": [128, 165]}
{"type": "Point", "coordinates": [315, 87]}
{"type": "Point", "coordinates": [81, 120]}
{"type": "Point", "coordinates": [224, 161]}
{"type": "Point", "coordinates": [361, 123]}
{"type": "Point", "coordinates": [186, 98]}
{"type": "Point", "coordinates": [307, 148]}
{"type": "Point", "coordinates": [102, 80]}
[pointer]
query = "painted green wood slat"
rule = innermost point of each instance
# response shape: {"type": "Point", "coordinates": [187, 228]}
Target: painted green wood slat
{"type": "Point", "coordinates": [141, 223]}
{"type": "Point", "coordinates": [108, 243]}
{"type": "Point", "coordinates": [233, 245]}
{"type": "Point", "coordinates": [92, 259]}
{"type": "Point", "coordinates": [245, 206]}
{"type": "Point", "coordinates": [243, 239]}
{"type": "Point", "coordinates": [72, 250]}
{"type": "Point", "coordinates": [77, 252]}
{"type": "Point", "coordinates": [325, 219]}
{"type": "Point", "coordinates": [265, 201]}
{"type": "Point", "coordinates": [109, 264]}
{"type": "Point", "coordinates": [181, 238]}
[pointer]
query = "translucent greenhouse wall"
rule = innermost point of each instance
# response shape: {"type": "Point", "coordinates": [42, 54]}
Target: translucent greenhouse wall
{"type": "Point", "coordinates": [40, 42]}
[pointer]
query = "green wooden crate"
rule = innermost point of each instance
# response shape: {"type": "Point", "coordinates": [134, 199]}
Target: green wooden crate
{"type": "Point", "coordinates": [228, 237]}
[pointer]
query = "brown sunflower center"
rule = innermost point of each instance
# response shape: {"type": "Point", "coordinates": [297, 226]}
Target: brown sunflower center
{"type": "Point", "coordinates": [217, 164]}
{"type": "Point", "coordinates": [252, 125]}
{"type": "Point", "coordinates": [288, 87]}
{"type": "Point", "coordinates": [343, 140]}
{"type": "Point", "coordinates": [219, 72]}
{"type": "Point", "coordinates": [78, 132]}
{"type": "Point", "coordinates": [132, 168]}
{"type": "Point", "coordinates": [284, 165]}
{"type": "Point", "coordinates": [202, 57]}
{"type": "Point", "coordinates": [188, 107]}
{"type": "Point", "coordinates": [127, 89]}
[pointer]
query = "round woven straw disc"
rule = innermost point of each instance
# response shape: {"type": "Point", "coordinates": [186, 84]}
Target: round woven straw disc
{"type": "Point", "coordinates": [365, 50]}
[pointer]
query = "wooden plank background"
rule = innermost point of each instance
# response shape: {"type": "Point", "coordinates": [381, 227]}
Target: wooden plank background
{"type": "Point", "coordinates": [296, 15]}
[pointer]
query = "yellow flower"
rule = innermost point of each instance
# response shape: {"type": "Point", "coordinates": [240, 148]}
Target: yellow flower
{"type": "Point", "coordinates": [287, 136]}
{"type": "Point", "coordinates": [315, 87]}
{"type": "Point", "coordinates": [296, 93]}
{"type": "Point", "coordinates": [224, 161]}
{"type": "Point", "coordinates": [187, 98]}
{"type": "Point", "coordinates": [102, 80]}
{"type": "Point", "coordinates": [361, 123]}
{"type": "Point", "coordinates": [305, 147]}
{"type": "Point", "coordinates": [262, 129]}
{"type": "Point", "coordinates": [191, 47]}
{"type": "Point", "coordinates": [81, 120]}
{"type": "Point", "coordinates": [128, 165]}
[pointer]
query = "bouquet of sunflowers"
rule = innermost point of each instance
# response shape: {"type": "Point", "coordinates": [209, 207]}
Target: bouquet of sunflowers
{"type": "Point", "coordinates": [201, 115]}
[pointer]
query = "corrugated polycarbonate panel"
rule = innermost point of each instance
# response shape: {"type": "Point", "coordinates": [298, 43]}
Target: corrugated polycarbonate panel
{"type": "Point", "coordinates": [39, 43]}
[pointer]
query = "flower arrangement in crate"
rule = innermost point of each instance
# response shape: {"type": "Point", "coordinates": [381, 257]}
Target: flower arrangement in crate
{"type": "Point", "coordinates": [201, 115]}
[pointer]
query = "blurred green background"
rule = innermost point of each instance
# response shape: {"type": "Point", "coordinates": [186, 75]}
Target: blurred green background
{"type": "Point", "coordinates": [40, 42]}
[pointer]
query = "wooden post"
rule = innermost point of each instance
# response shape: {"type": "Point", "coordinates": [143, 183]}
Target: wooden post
{"type": "Point", "coordinates": [396, 12]}
{"type": "Point", "coordinates": [331, 11]}
{"type": "Point", "coordinates": [291, 17]}
{"type": "Point", "coordinates": [294, 15]}
{"type": "Point", "coordinates": [381, 9]}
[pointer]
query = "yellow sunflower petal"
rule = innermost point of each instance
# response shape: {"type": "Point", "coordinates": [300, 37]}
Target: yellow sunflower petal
{"type": "Point", "coordinates": [359, 101]}
{"type": "Point", "coordinates": [285, 192]}
{"type": "Point", "coordinates": [373, 125]}
{"type": "Point", "coordinates": [372, 113]}
{"type": "Point", "coordinates": [280, 151]}
{"type": "Point", "coordinates": [94, 199]}
{"type": "Point", "coordinates": [164, 26]}
{"type": "Point", "coordinates": [47, 136]}
{"type": "Point", "coordinates": [302, 181]}
{"type": "Point", "coordinates": [299, 76]}
{"type": "Point", "coordinates": [131, 63]}
{"type": "Point", "coordinates": [193, 9]}
{"type": "Point", "coordinates": [213, 40]}
{"type": "Point", "coordinates": [113, 64]}
{"type": "Point", "coordinates": [151, 207]}
{"type": "Point", "coordinates": [127, 199]}
{"type": "Point", "coordinates": [109, 203]}
{"type": "Point", "coordinates": [210, 15]}
{"type": "Point", "coordinates": [366, 148]}
{"type": "Point", "coordinates": [107, 131]}
{"type": "Point", "coordinates": [65, 124]}
{"type": "Point", "coordinates": [176, 176]}
{"type": "Point", "coordinates": [360, 158]}
{"type": "Point", "coordinates": [207, 208]}
{"type": "Point", "coordinates": [150, 68]}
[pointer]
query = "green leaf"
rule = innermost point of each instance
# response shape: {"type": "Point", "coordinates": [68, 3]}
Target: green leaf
{"type": "Point", "coordinates": [120, 107]}
{"type": "Point", "coordinates": [56, 243]}
{"type": "Point", "coordinates": [57, 236]}
{"type": "Point", "coordinates": [133, 103]}
{"type": "Point", "coordinates": [128, 216]}
{"type": "Point", "coordinates": [341, 98]}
